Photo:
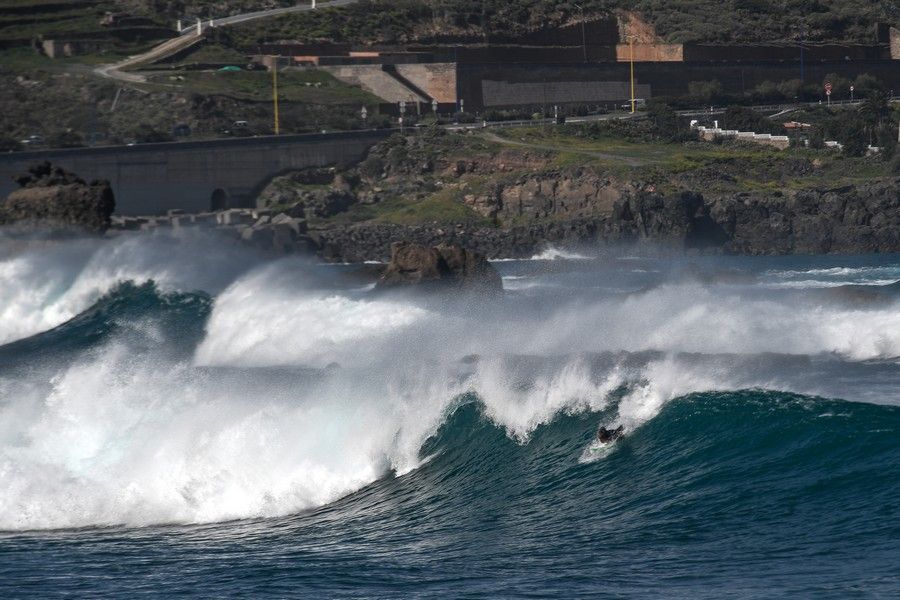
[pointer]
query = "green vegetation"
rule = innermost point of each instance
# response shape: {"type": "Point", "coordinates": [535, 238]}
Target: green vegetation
{"type": "Point", "coordinates": [310, 86]}
{"type": "Point", "coordinates": [444, 206]}
{"type": "Point", "coordinates": [208, 53]}
{"type": "Point", "coordinates": [20, 21]}
{"type": "Point", "coordinates": [445, 177]}
{"type": "Point", "coordinates": [630, 151]}
{"type": "Point", "coordinates": [678, 21]}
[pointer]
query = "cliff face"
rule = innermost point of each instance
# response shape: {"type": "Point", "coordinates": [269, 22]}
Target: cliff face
{"type": "Point", "coordinates": [56, 200]}
{"type": "Point", "coordinates": [850, 220]}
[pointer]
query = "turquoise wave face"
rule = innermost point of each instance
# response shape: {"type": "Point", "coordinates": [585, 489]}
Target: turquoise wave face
{"type": "Point", "coordinates": [715, 490]}
{"type": "Point", "coordinates": [126, 312]}
{"type": "Point", "coordinates": [289, 432]}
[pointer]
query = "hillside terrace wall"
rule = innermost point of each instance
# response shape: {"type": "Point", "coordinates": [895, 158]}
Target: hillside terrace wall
{"type": "Point", "coordinates": [499, 94]}
{"type": "Point", "coordinates": [518, 54]}
{"type": "Point", "coordinates": [783, 52]}
{"type": "Point", "coordinates": [663, 79]}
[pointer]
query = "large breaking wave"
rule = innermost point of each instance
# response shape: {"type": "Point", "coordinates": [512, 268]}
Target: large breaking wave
{"type": "Point", "coordinates": [283, 387]}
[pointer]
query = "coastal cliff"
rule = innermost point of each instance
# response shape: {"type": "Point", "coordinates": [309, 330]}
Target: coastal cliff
{"type": "Point", "coordinates": [509, 197]}
{"type": "Point", "coordinates": [855, 220]}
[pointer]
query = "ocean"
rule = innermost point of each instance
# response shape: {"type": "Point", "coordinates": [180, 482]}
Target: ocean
{"type": "Point", "coordinates": [182, 417]}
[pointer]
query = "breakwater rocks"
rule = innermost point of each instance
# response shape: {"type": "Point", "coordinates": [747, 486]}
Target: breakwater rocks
{"type": "Point", "coordinates": [277, 232]}
{"type": "Point", "coordinates": [55, 200]}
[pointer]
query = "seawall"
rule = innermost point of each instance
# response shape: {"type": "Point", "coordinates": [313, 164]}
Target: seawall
{"type": "Point", "coordinates": [196, 176]}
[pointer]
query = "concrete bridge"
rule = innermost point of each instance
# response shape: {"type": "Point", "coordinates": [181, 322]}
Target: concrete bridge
{"type": "Point", "coordinates": [196, 176]}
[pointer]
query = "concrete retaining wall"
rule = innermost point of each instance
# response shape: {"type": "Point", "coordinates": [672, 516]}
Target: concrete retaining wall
{"type": "Point", "coordinates": [153, 178]}
{"type": "Point", "coordinates": [650, 53]}
{"type": "Point", "coordinates": [507, 94]}
{"type": "Point", "coordinates": [438, 80]}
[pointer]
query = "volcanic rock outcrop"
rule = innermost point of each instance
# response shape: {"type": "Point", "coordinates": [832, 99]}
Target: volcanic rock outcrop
{"type": "Point", "coordinates": [56, 200]}
{"type": "Point", "coordinates": [442, 265]}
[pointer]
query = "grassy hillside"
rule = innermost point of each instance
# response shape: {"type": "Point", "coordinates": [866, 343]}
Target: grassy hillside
{"type": "Point", "coordinates": [413, 180]}
{"type": "Point", "coordinates": [398, 21]}
{"type": "Point", "coordinates": [20, 20]}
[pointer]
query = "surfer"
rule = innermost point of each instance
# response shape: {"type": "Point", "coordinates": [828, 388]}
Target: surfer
{"type": "Point", "coordinates": [605, 436]}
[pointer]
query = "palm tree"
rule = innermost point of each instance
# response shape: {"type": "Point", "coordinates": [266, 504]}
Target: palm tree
{"type": "Point", "coordinates": [874, 109]}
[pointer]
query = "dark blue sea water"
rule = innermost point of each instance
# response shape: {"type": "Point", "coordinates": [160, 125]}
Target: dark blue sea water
{"type": "Point", "coordinates": [180, 422]}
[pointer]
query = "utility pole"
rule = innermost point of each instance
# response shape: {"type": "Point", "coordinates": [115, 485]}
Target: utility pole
{"type": "Point", "coordinates": [275, 91]}
{"type": "Point", "coordinates": [583, 36]}
{"type": "Point", "coordinates": [631, 46]}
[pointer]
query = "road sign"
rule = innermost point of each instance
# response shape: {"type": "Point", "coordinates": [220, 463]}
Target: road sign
{"type": "Point", "coordinates": [827, 87]}
{"type": "Point", "coordinates": [852, 88]}
{"type": "Point", "coordinates": [402, 107]}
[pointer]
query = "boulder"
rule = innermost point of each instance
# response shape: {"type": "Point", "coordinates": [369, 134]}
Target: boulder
{"type": "Point", "coordinates": [54, 199]}
{"type": "Point", "coordinates": [444, 265]}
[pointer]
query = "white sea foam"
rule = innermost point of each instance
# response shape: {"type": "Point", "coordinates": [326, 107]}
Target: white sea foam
{"type": "Point", "coordinates": [552, 253]}
{"type": "Point", "coordinates": [887, 270]}
{"type": "Point", "coordinates": [45, 285]}
{"type": "Point", "coordinates": [245, 429]}
{"type": "Point", "coordinates": [549, 253]}
{"type": "Point", "coordinates": [821, 284]}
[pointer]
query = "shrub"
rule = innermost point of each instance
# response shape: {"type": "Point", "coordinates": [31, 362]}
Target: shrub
{"type": "Point", "coordinates": [706, 91]}
{"type": "Point", "coordinates": [895, 164]}
{"type": "Point", "coordinates": [745, 119]}
{"type": "Point", "coordinates": [66, 139]}
{"type": "Point", "coordinates": [855, 146]}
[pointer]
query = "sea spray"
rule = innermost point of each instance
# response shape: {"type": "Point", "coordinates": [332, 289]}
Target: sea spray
{"type": "Point", "coordinates": [44, 284]}
{"type": "Point", "coordinates": [300, 389]}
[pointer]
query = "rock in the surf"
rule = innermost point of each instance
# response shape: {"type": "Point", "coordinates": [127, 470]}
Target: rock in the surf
{"type": "Point", "coordinates": [444, 264]}
{"type": "Point", "coordinates": [54, 199]}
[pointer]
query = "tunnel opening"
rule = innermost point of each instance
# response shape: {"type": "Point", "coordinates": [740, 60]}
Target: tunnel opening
{"type": "Point", "coordinates": [218, 200]}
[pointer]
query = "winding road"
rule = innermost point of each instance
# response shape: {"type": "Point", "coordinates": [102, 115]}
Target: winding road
{"type": "Point", "coordinates": [191, 36]}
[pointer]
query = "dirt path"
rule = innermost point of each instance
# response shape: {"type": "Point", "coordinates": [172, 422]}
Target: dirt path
{"type": "Point", "coordinates": [628, 160]}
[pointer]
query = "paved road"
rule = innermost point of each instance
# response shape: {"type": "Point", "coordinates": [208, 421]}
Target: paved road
{"type": "Point", "coordinates": [274, 12]}
{"type": "Point", "coordinates": [190, 36]}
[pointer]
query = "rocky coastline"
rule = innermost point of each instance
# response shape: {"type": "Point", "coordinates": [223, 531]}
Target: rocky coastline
{"type": "Point", "coordinates": [849, 220]}
{"type": "Point", "coordinates": [515, 217]}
